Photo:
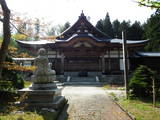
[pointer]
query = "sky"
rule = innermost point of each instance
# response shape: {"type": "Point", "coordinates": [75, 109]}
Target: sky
{"type": "Point", "coordinates": [61, 11]}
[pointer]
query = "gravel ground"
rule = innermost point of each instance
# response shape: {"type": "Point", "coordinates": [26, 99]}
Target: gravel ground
{"type": "Point", "coordinates": [91, 103]}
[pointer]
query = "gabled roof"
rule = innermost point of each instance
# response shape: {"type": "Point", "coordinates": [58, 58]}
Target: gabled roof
{"type": "Point", "coordinates": [80, 27]}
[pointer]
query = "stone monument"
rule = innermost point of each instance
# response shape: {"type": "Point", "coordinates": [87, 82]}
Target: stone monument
{"type": "Point", "coordinates": [43, 93]}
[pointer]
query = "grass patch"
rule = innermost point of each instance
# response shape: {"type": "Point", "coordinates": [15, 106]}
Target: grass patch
{"type": "Point", "coordinates": [108, 87]}
{"type": "Point", "coordinates": [113, 87]}
{"type": "Point", "coordinates": [28, 115]}
{"type": "Point", "coordinates": [10, 111]}
{"type": "Point", "coordinates": [114, 97]}
{"type": "Point", "coordinates": [22, 116]}
{"type": "Point", "coordinates": [142, 110]}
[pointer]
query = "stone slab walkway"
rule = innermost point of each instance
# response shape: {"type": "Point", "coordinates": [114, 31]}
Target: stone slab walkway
{"type": "Point", "coordinates": [91, 103]}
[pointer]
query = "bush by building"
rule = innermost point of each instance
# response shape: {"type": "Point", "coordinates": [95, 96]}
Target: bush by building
{"type": "Point", "coordinates": [140, 84]}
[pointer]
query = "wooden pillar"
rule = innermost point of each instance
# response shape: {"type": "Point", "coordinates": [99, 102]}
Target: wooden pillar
{"type": "Point", "coordinates": [103, 64]}
{"type": "Point", "coordinates": [119, 57]}
{"type": "Point", "coordinates": [118, 53]}
{"type": "Point", "coordinates": [125, 63]}
{"type": "Point", "coordinates": [100, 64]}
{"type": "Point", "coordinates": [128, 63]}
{"type": "Point", "coordinates": [109, 61]}
{"type": "Point", "coordinates": [62, 64]}
{"type": "Point", "coordinates": [55, 61]}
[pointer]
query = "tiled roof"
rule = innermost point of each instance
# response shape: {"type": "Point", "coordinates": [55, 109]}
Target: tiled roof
{"type": "Point", "coordinates": [83, 35]}
{"type": "Point", "coordinates": [149, 54]}
{"type": "Point", "coordinates": [119, 41]}
{"type": "Point", "coordinates": [38, 42]}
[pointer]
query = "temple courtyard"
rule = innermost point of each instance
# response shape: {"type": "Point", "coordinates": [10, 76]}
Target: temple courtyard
{"type": "Point", "coordinates": [92, 102]}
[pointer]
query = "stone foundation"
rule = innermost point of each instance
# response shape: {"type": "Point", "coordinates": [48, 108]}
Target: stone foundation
{"type": "Point", "coordinates": [50, 98]}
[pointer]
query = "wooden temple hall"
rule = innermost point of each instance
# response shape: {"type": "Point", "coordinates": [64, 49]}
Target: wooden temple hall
{"type": "Point", "coordinates": [82, 47]}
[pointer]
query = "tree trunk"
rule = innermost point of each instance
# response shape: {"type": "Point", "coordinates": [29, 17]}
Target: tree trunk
{"type": "Point", "coordinates": [6, 34]}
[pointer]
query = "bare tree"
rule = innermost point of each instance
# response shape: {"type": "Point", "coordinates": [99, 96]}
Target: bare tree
{"type": "Point", "coordinates": [6, 34]}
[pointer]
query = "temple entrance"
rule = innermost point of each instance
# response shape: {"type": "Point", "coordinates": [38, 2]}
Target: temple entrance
{"type": "Point", "coordinates": [82, 64]}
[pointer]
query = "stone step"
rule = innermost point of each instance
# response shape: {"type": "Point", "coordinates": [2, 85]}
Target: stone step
{"type": "Point", "coordinates": [83, 83]}
{"type": "Point", "coordinates": [83, 79]}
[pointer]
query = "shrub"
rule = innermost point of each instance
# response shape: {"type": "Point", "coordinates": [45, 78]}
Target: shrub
{"type": "Point", "coordinates": [13, 76]}
{"type": "Point", "coordinates": [11, 81]}
{"type": "Point", "coordinates": [141, 82]}
{"type": "Point", "coordinates": [7, 93]}
{"type": "Point", "coordinates": [5, 85]}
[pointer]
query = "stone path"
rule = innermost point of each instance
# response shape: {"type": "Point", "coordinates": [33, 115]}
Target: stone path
{"type": "Point", "coordinates": [91, 103]}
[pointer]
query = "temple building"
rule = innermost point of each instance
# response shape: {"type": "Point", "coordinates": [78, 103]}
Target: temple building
{"type": "Point", "coordinates": [82, 47]}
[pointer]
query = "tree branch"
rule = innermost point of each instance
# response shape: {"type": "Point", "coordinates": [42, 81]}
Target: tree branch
{"type": "Point", "coordinates": [19, 30]}
{"type": "Point", "coordinates": [147, 5]}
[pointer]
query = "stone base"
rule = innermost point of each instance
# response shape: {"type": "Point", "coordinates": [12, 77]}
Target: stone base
{"type": "Point", "coordinates": [44, 86]}
{"type": "Point", "coordinates": [50, 98]}
{"type": "Point", "coordinates": [57, 104]}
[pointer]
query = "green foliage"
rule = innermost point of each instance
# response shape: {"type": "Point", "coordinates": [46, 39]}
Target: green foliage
{"type": "Point", "coordinates": [51, 31]}
{"type": "Point", "coordinates": [108, 29]}
{"type": "Point", "coordinates": [106, 86]}
{"type": "Point", "coordinates": [19, 36]}
{"type": "Point", "coordinates": [114, 30]}
{"type": "Point", "coordinates": [135, 32]}
{"type": "Point", "coordinates": [37, 26]}
{"type": "Point", "coordinates": [62, 28]}
{"type": "Point", "coordinates": [149, 3]}
{"type": "Point", "coordinates": [141, 82]}
{"type": "Point", "coordinates": [141, 110]}
{"type": "Point", "coordinates": [152, 32]}
{"type": "Point", "coordinates": [125, 25]}
{"type": "Point", "coordinates": [114, 97]}
{"type": "Point", "coordinates": [27, 83]}
{"type": "Point", "coordinates": [105, 26]}
{"type": "Point", "coordinates": [100, 25]}
{"type": "Point", "coordinates": [66, 25]}
{"type": "Point", "coordinates": [22, 116]}
{"type": "Point", "coordinates": [5, 85]}
{"type": "Point", "coordinates": [13, 76]}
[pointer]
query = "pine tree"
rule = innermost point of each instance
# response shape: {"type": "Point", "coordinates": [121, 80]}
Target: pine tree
{"type": "Point", "coordinates": [125, 27]}
{"type": "Point", "coordinates": [152, 32]}
{"type": "Point", "coordinates": [62, 28]}
{"type": "Point", "coordinates": [108, 29]}
{"type": "Point", "coordinates": [135, 32]}
{"type": "Point", "coordinates": [116, 29]}
{"type": "Point", "coordinates": [141, 82]}
{"type": "Point", "coordinates": [99, 25]}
